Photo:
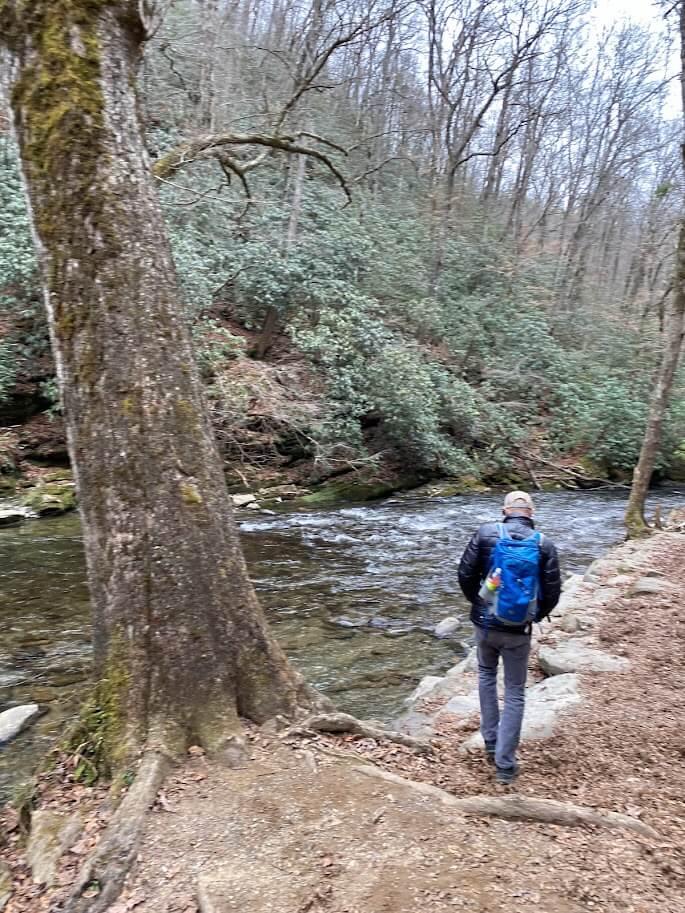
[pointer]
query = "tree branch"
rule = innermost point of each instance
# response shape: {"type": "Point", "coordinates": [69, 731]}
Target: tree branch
{"type": "Point", "coordinates": [206, 145]}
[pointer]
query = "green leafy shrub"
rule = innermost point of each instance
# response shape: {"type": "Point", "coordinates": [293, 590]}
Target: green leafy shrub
{"type": "Point", "coordinates": [604, 417]}
{"type": "Point", "coordinates": [23, 327]}
{"type": "Point", "coordinates": [214, 345]}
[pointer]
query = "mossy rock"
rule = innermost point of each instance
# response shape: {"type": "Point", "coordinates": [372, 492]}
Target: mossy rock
{"type": "Point", "coordinates": [7, 483]}
{"type": "Point", "coordinates": [353, 489]}
{"type": "Point", "coordinates": [466, 484]}
{"type": "Point", "coordinates": [59, 475]}
{"type": "Point", "coordinates": [508, 480]}
{"type": "Point", "coordinates": [51, 498]}
{"type": "Point", "coordinates": [451, 487]}
{"type": "Point", "coordinates": [593, 469]}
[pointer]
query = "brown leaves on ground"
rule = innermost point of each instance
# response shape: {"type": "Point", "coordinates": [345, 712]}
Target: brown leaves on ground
{"type": "Point", "coordinates": [56, 790]}
{"type": "Point", "coordinates": [622, 750]}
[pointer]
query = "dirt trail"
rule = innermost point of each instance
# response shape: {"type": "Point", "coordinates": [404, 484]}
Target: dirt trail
{"type": "Point", "coordinates": [300, 828]}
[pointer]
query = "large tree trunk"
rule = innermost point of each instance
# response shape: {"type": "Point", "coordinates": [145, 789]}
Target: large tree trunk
{"type": "Point", "coordinates": [181, 644]}
{"type": "Point", "coordinates": [673, 332]}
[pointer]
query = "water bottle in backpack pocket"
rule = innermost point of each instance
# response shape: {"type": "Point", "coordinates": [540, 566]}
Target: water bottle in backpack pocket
{"type": "Point", "coordinates": [518, 561]}
{"type": "Point", "coordinates": [488, 592]}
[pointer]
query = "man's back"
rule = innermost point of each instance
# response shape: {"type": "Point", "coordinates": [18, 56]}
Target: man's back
{"type": "Point", "coordinates": [476, 560]}
{"type": "Point", "coordinates": [496, 639]}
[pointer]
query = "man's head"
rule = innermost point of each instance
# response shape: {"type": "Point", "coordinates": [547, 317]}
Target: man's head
{"type": "Point", "coordinates": [518, 503]}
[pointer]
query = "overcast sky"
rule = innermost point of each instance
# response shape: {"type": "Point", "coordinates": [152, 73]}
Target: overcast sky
{"type": "Point", "coordinates": [640, 10]}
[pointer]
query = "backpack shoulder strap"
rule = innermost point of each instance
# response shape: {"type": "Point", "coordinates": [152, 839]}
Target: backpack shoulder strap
{"type": "Point", "coordinates": [502, 530]}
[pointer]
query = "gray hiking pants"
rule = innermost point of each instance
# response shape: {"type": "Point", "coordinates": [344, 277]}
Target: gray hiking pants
{"type": "Point", "coordinates": [503, 732]}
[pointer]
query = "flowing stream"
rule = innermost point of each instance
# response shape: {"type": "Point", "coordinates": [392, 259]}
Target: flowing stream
{"type": "Point", "coordinates": [353, 594]}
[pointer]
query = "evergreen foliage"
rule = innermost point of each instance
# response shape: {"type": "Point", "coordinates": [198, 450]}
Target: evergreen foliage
{"type": "Point", "coordinates": [451, 340]}
{"type": "Point", "coordinates": [23, 330]}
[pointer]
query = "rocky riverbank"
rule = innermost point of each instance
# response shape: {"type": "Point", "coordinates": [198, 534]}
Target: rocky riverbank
{"type": "Point", "coordinates": [40, 482]}
{"type": "Point", "coordinates": [353, 824]}
{"type": "Point", "coordinates": [566, 646]}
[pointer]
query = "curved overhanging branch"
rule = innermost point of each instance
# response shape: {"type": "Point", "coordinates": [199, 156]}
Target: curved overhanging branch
{"type": "Point", "coordinates": [209, 145]}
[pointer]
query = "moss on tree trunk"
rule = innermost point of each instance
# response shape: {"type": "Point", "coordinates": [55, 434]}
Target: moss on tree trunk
{"type": "Point", "coordinates": [181, 644]}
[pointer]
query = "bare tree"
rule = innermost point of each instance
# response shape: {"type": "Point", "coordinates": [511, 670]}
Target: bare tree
{"type": "Point", "coordinates": [673, 335]}
{"type": "Point", "coordinates": [477, 50]}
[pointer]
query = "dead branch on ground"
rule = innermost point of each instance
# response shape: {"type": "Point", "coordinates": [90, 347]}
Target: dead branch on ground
{"type": "Point", "coordinates": [345, 722]}
{"type": "Point", "coordinates": [519, 808]}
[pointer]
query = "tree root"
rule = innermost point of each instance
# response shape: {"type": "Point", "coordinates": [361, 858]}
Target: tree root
{"type": "Point", "coordinates": [520, 808]}
{"type": "Point", "coordinates": [106, 869]}
{"type": "Point", "coordinates": [345, 722]}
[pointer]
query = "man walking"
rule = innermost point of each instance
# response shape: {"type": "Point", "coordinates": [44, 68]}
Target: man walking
{"type": "Point", "coordinates": [504, 605]}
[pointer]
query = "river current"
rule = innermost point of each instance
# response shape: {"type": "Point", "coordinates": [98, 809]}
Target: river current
{"type": "Point", "coordinates": [353, 593]}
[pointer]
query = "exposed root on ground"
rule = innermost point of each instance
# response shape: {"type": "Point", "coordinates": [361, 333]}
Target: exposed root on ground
{"type": "Point", "coordinates": [345, 722]}
{"type": "Point", "coordinates": [521, 808]}
{"type": "Point", "coordinates": [103, 874]}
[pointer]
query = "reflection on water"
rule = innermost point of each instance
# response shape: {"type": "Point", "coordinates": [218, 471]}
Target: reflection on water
{"type": "Point", "coordinates": [353, 594]}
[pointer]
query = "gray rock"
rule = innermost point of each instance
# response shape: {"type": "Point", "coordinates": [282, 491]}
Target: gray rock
{"type": "Point", "coordinates": [651, 586]}
{"type": "Point", "coordinates": [572, 582]}
{"type": "Point", "coordinates": [462, 705]}
{"type": "Point", "coordinates": [13, 721]}
{"type": "Point", "coordinates": [423, 690]}
{"type": "Point", "coordinates": [12, 516]}
{"type": "Point", "coordinates": [597, 569]}
{"type": "Point", "coordinates": [242, 500]}
{"type": "Point", "coordinates": [51, 835]}
{"type": "Point", "coordinates": [460, 683]}
{"type": "Point", "coordinates": [602, 596]}
{"type": "Point", "coordinates": [576, 655]}
{"type": "Point", "coordinates": [468, 664]}
{"type": "Point", "coordinates": [5, 884]}
{"type": "Point", "coordinates": [447, 626]}
{"type": "Point", "coordinates": [579, 594]}
{"type": "Point", "coordinates": [620, 580]}
{"type": "Point", "coordinates": [545, 702]}
{"type": "Point", "coordinates": [570, 624]}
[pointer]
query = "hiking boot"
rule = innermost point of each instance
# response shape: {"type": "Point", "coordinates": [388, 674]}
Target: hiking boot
{"type": "Point", "coordinates": [507, 775]}
{"type": "Point", "coordinates": [490, 751]}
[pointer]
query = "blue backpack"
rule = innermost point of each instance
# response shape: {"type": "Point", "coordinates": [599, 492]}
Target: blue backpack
{"type": "Point", "coordinates": [516, 602]}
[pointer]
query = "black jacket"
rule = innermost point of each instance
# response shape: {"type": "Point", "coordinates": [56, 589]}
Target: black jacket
{"type": "Point", "coordinates": [475, 564]}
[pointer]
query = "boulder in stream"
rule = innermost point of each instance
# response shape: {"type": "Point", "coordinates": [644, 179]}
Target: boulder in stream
{"type": "Point", "coordinates": [15, 720]}
{"type": "Point", "coordinates": [51, 498]}
{"type": "Point", "coordinates": [243, 500]}
{"type": "Point", "coordinates": [12, 516]}
{"type": "Point", "coordinates": [448, 626]}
